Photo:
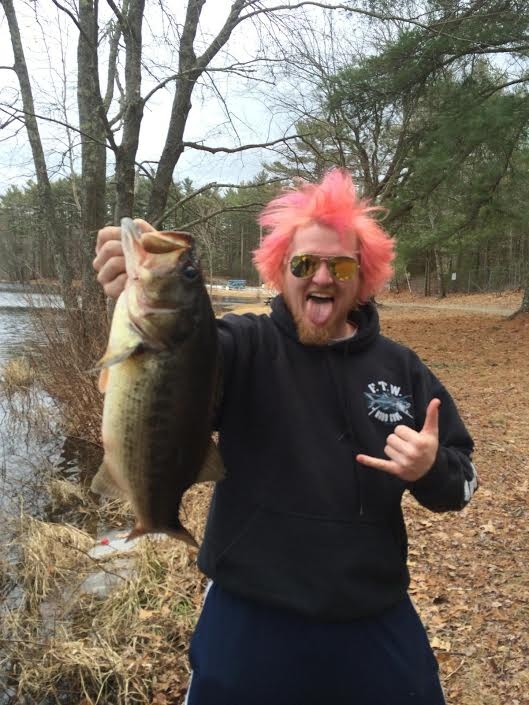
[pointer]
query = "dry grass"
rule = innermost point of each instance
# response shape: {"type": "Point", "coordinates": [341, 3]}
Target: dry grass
{"type": "Point", "coordinates": [61, 644]}
{"type": "Point", "coordinates": [69, 497]}
{"type": "Point", "coordinates": [65, 494]}
{"type": "Point", "coordinates": [116, 649]}
{"type": "Point", "coordinates": [50, 555]}
{"type": "Point", "coordinates": [64, 353]}
{"type": "Point", "coordinates": [18, 375]}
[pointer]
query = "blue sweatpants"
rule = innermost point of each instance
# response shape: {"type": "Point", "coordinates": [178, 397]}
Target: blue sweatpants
{"type": "Point", "coordinates": [245, 654]}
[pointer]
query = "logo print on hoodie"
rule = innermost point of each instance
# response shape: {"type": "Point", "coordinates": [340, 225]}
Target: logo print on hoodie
{"type": "Point", "coordinates": [386, 403]}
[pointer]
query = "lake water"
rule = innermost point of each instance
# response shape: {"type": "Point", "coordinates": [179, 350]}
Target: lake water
{"type": "Point", "coordinates": [16, 320]}
{"type": "Point", "coordinates": [28, 449]}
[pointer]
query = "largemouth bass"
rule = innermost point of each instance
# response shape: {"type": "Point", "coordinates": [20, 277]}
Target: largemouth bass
{"type": "Point", "coordinates": [159, 376]}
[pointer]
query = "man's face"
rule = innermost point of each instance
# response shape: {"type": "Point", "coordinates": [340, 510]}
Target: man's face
{"type": "Point", "coordinates": [320, 303]}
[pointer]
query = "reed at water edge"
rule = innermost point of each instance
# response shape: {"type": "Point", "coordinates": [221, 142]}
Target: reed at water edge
{"type": "Point", "coordinates": [59, 642]}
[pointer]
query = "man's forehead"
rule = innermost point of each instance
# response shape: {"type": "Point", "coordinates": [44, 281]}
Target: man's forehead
{"type": "Point", "coordinates": [320, 240]}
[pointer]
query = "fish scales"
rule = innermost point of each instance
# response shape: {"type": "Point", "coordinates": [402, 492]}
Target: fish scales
{"type": "Point", "coordinates": [160, 378]}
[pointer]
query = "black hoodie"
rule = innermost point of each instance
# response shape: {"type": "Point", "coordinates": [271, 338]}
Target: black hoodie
{"type": "Point", "coordinates": [298, 523]}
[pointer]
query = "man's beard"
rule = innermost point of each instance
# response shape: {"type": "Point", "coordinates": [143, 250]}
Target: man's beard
{"type": "Point", "coordinates": [310, 334]}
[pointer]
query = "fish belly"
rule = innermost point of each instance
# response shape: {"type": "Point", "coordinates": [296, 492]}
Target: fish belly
{"type": "Point", "coordinates": [156, 435]}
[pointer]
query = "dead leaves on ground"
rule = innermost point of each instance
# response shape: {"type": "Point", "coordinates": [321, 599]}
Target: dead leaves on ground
{"type": "Point", "coordinates": [470, 570]}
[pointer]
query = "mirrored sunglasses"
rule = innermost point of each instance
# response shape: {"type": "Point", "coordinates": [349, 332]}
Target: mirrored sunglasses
{"type": "Point", "coordinates": [342, 268]}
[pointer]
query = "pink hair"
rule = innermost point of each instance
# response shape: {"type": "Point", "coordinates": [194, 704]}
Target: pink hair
{"type": "Point", "coordinates": [333, 203]}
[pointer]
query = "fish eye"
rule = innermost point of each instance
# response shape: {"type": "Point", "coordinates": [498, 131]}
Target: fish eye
{"type": "Point", "coordinates": [190, 272]}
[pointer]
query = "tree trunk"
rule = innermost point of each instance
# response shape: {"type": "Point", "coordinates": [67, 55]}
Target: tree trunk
{"type": "Point", "coordinates": [55, 234]}
{"type": "Point", "coordinates": [441, 290]}
{"type": "Point", "coordinates": [132, 111]}
{"type": "Point", "coordinates": [172, 150]}
{"type": "Point", "coordinates": [524, 308]}
{"type": "Point", "coordinates": [184, 86]}
{"type": "Point", "coordinates": [93, 160]}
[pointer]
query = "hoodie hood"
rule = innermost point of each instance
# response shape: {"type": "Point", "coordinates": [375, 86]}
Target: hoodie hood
{"type": "Point", "coordinates": [365, 318]}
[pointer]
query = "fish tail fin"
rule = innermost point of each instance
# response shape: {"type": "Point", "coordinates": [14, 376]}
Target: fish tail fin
{"type": "Point", "coordinates": [136, 532]}
{"type": "Point", "coordinates": [182, 534]}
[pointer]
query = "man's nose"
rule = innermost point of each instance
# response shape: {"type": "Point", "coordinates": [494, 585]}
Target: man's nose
{"type": "Point", "coordinates": [322, 275]}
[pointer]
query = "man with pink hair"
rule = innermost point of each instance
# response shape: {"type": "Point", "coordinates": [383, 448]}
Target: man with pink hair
{"type": "Point", "coordinates": [323, 425]}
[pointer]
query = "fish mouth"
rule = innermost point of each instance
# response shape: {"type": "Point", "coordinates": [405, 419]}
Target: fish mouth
{"type": "Point", "coordinates": [160, 255]}
{"type": "Point", "coordinates": [164, 242]}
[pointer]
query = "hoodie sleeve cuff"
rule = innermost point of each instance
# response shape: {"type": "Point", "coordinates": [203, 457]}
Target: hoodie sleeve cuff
{"type": "Point", "coordinates": [436, 475]}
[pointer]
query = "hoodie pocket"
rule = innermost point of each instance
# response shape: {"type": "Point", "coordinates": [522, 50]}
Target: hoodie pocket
{"type": "Point", "coordinates": [328, 568]}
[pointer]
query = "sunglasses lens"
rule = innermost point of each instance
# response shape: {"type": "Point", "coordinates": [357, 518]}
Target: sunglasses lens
{"type": "Point", "coordinates": [303, 266]}
{"type": "Point", "coordinates": [343, 268]}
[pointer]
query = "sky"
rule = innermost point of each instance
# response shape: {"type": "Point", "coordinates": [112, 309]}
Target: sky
{"type": "Point", "coordinates": [49, 39]}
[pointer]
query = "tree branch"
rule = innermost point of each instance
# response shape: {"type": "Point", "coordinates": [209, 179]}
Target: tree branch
{"type": "Point", "coordinates": [115, 9]}
{"type": "Point", "coordinates": [112, 67]}
{"type": "Point", "coordinates": [224, 34]}
{"type": "Point", "coordinates": [213, 214]}
{"type": "Point", "coordinates": [206, 187]}
{"type": "Point", "coordinates": [74, 20]}
{"type": "Point", "coordinates": [353, 10]}
{"type": "Point", "coordinates": [21, 113]}
{"type": "Point", "coordinates": [242, 148]}
{"type": "Point", "coordinates": [233, 68]}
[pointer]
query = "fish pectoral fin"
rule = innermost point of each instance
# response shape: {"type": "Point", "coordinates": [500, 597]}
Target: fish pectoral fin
{"type": "Point", "coordinates": [102, 382]}
{"type": "Point", "coordinates": [104, 484]}
{"type": "Point", "coordinates": [112, 357]}
{"type": "Point", "coordinates": [213, 469]}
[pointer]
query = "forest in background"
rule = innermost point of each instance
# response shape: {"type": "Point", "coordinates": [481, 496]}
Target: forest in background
{"type": "Point", "coordinates": [426, 103]}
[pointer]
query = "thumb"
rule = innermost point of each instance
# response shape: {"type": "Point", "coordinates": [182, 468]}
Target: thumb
{"type": "Point", "coordinates": [431, 422]}
{"type": "Point", "coordinates": [144, 226]}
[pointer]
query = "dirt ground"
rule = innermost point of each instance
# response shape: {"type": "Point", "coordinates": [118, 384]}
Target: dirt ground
{"type": "Point", "coordinates": [497, 299]}
{"type": "Point", "coordinates": [470, 569]}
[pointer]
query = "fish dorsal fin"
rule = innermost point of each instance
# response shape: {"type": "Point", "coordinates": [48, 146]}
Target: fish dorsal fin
{"type": "Point", "coordinates": [213, 468]}
{"type": "Point", "coordinates": [104, 484]}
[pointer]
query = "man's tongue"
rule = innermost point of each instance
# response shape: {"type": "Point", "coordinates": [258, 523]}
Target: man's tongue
{"type": "Point", "coordinates": [318, 310]}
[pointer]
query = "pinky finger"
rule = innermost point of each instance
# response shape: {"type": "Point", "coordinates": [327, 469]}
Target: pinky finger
{"type": "Point", "coordinates": [378, 463]}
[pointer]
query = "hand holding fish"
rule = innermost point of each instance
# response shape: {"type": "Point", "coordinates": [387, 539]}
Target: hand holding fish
{"type": "Point", "coordinates": [109, 262]}
{"type": "Point", "coordinates": [411, 453]}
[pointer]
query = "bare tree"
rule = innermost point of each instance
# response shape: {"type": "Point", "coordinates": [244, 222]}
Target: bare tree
{"type": "Point", "coordinates": [46, 200]}
{"type": "Point", "coordinates": [190, 68]}
{"type": "Point", "coordinates": [110, 120]}
{"type": "Point", "coordinates": [92, 125]}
